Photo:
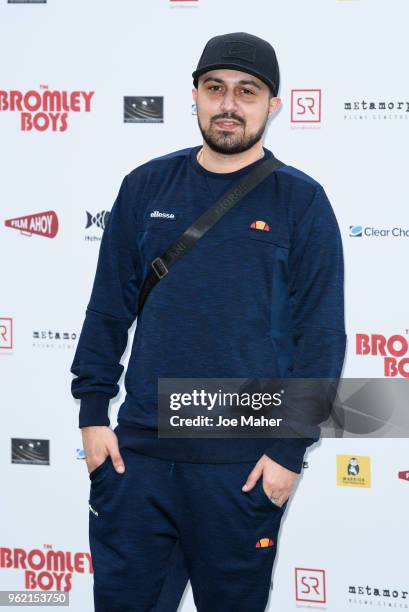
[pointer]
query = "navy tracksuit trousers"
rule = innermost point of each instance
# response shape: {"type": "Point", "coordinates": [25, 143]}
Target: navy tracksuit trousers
{"type": "Point", "coordinates": [161, 523]}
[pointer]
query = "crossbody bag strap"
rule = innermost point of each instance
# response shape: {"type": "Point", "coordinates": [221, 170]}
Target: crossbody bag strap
{"type": "Point", "coordinates": [160, 266]}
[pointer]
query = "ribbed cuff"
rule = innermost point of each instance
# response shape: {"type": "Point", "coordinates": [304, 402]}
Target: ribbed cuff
{"type": "Point", "coordinates": [289, 452]}
{"type": "Point", "coordinates": [94, 410]}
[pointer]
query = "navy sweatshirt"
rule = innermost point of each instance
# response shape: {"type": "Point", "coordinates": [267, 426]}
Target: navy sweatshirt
{"type": "Point", "coordinates": [259, 295]}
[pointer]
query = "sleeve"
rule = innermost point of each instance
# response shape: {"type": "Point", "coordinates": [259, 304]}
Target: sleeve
{"type": "Point", "coordinates": [316, 285]}
{"type": "Point", "coordinates": [110, 312]}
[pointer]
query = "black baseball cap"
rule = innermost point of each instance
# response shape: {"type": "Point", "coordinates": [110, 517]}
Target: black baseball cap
{"type": "Point", "coordinates": [240, 51]}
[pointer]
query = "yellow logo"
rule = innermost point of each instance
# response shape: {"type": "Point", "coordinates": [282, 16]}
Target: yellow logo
{"type": "Point", "coordinates": [353, 471]}
{"type": "Point", "coordinates": [260, 225]}
{"type": "Point", "coordinates": [264, 543]}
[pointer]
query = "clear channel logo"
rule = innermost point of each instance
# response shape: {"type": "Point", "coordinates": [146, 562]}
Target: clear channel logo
{"type": "Point", "coordinates": [369, 231]}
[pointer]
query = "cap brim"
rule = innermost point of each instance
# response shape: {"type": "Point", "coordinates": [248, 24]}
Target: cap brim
{"type": "Point", "coordinates": [196, 74]}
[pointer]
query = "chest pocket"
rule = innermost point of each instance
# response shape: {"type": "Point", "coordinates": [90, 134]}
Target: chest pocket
{"type": "Point", "coordinates": [273, 236]}
{"type": "Point", "coordinates": [158, 233]}
{"type": "Point", "coordinates": [221, 233]}
{"type": "Point", "coordinates": [159, 224]}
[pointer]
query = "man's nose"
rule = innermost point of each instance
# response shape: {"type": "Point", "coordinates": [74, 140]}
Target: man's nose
{"type": "Point", "coordinates": [229, 102]}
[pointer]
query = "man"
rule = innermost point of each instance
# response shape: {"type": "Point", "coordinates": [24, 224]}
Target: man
{"type": "Point", "coordinates": [260, 295]}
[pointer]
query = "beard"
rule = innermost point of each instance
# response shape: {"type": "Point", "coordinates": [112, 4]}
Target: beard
{"type": "Point", "coordinates": [230, 143]}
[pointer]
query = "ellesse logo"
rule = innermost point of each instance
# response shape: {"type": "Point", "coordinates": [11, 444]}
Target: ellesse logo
{"type": "Point", "coordinates": [166, 215]}
{"type": "Point", "coordinates": [260, 225]}
{"type": "Point", "coordinates": [264, 543]}
{"type": "Point", "coordinates": [93, 510]}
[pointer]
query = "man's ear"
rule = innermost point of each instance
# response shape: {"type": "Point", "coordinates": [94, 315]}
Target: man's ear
{"type": "Point", "coordinates": [275, 104]}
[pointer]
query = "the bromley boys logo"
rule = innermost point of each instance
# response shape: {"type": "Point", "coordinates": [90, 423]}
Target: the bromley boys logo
{"type": "Point", "coordinates": [305, 105]}
{"type": "Point", "coordinates": [394, 351]}
{"type": "Point", "coordinates": [46, 569]}
{"type": "Point", "coordinates": [42, 224]}
{"type": "Point", "coordinates": [45, 109]}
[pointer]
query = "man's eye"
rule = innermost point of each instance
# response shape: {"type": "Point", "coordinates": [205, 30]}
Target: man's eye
{"type": "Point", "coordinates": [246, 91]}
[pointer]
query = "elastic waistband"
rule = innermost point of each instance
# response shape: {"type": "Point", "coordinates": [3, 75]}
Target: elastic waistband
{"type": "Point", "coordinates": [191, 450]}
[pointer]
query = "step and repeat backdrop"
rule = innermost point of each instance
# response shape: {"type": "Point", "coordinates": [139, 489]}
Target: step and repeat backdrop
{"type": "Point", "coordinates": [90, 90]}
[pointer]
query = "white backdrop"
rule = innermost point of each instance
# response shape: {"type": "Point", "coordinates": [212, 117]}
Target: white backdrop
{"type": "Point", "coordinates": [352, 138]}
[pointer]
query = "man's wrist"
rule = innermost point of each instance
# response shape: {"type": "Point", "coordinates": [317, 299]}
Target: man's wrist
{"type": "Point", "coordinates": [288, 452]}
{"type": "Point", "coordinates": [94, 410]}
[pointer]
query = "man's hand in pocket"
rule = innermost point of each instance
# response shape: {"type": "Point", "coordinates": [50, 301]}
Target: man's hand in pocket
{"type": "Point", "coordinates": [277, 481]}
{"type": "Point", "coordinates": [100, 441]}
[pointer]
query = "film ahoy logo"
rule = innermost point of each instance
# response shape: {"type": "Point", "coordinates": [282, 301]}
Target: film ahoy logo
{"type": "Point", "coordinates": [393, 349]}
{"type": "Point", "coordinates": [45, 109]}
{"type": "Point", "coordinates": [42, 223]}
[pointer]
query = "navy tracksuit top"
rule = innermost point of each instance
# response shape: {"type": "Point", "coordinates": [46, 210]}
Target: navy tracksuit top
{"type": "Point", "coordinates": [259, 295]}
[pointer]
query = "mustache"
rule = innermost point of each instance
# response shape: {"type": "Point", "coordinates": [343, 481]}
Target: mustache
{"type": "Point", "coordinates": [231, 117]}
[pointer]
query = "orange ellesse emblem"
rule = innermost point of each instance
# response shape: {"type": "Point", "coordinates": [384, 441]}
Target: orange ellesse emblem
{"type": "Point", "coordinates": [264, 543]}
{"type": "Point", "coordinates": [260, 225]}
